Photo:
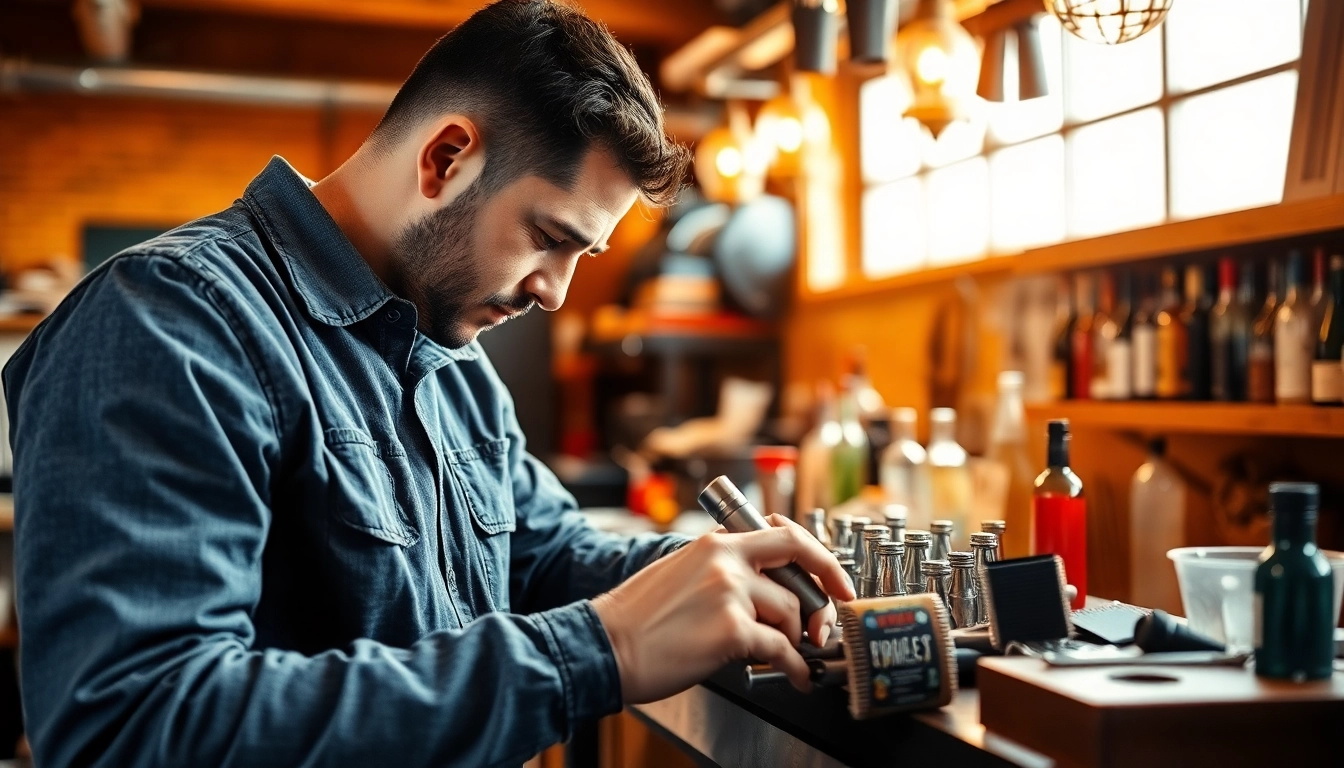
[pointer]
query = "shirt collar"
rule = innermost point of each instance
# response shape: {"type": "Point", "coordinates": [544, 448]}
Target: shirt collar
{"type": "Point", "coordinates": [333, 281]}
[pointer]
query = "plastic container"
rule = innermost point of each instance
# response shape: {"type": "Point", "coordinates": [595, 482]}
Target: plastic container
{"type": "Point", "coordinates": [1217, 584]}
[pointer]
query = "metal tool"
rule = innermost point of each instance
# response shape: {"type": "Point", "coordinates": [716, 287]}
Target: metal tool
{"type": "Point", "coordinates": [726, 504]}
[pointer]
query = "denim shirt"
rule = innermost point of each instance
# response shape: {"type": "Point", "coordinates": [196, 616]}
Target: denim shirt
{"type": "Point", "coordinates": [262, 520]}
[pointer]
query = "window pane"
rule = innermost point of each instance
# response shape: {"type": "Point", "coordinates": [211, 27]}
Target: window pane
{"type": "Point", "coordinates": [1117, 174]}
{"type": "Point", "coordinates": [823, 230]}
{"type": "Point", "coordinates": [1027, 196]}
{"type": "Point", "coordinates": [893, 228]}
{"type": "Point", "coordinates": [959, 141]}
{"type": "Point", "coordinates": [1229, 147]}
{"type": "Point", "coordinates": [890, 145]}
{"type": "Point", "coordinates": [958, 199]}
{"type": "Point", "coordinates": [1106, 79]}
{"type": "Point", "coordinates": [1210, 41]}
{"type": "Point", "coordinates": [1014, 121]}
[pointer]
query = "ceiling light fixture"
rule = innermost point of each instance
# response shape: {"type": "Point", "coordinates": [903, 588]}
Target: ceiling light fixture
{"type": "Point", "coordinates": [1109, 21]}
{"type": "Point", "coordinates": [941, 59]}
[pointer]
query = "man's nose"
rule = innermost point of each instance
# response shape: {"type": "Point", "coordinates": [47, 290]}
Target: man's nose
{"type": "Point", "coordinates": [550, 283]}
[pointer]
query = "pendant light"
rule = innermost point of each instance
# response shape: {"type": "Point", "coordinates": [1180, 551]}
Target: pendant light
{"type": "Point", "coordinates": [1109, 21]}
{"type": "Point", "coordinates": [941, 60]}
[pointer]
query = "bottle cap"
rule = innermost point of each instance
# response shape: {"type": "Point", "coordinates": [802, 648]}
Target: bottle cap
{"type": "Point", "coordinates": [895, 512]}
{"type": "Point", "coordinates": [1010, 380]}
{"type": "Point", "coordinates": [943, 415]}
{"type": "Point", "coordinates": [876, 532]}
{"type": "Point", "coordinates": [961, 559]}
{"type": "Point", "coordinates": [857, 524]}
{"type": "Point", "coordinates": [993, 526]}
{"type": "Point", "coordinates": [918, 538]}
{"type": "Point", "coordinates": [890, 548]}
{"type": "Point", "coordinates": [989, 540]}
{"type": "Point", "coordinates": [935, 568]}
{"type": "Point", "coordinates": [941, 526]}
{"type": "Point", "coordinates": [1057, 428]}
{"type": "Point", "coordinates": [1294, 498]}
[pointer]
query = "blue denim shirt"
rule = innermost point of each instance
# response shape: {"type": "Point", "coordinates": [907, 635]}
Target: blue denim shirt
{"type": "Point", "coordinates": [262, 520]}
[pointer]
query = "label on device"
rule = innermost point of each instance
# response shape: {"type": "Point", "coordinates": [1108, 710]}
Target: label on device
{"type": "Point", "coordinates": [905, 661]}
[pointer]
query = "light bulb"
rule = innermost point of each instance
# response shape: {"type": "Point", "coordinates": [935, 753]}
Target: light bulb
{"type": "Point", "coordinates": [931, 65]}
{"type": "Point", "coordinates": [728, 162]}
{"type": "Point", "coordinates": [789, 134]}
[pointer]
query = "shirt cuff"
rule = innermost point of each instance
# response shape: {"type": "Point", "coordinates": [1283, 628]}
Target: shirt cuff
{"type": "Point", "coordinates": [579, 644]}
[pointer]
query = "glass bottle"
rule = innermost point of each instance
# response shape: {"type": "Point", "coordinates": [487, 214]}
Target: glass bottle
{"type": "Point", "coordinates": [942, 531]}
{"type": "Point", "coordinates": [1230, 333]}
{"type": "Point", "coordinates": [1061, 357]}
{"type": "Point", "coordinates": [1294, 592]}
{"type": "Point", "coordinates": [985, 547]}
{"type": "Point", "coordinates": [873, 411]}
{"type": "Point", "coordinates": [1294, 347]}
{"type": "Point", "coordinates": [1260, 368]}
{"type": "Point", "coordinates": [849, 457]}
{"type": "Point", "coordinates": [1320, 289]}
{"type": "Point", "coordinates": [812, 487]}
{"type": "Point", "coordinates": [916, 552]}
{"type": "Point", "coordinates": [904, 473]}
{"type": "Point", "coordinates": [1195, 319]}
{"type": "Point", "coordinates": [1172, 341]}
{"type": "Point", "coordinates": [1327, 370]}
{"type": "Point", "coordinates": [949, 475]}
{"type": "Point", "coordinates": [1101, 339]}
{"type": "Point", "coordinates": [890, 569]}
{"type": "Point", "coordinates": [961, 590]}
{"type": "Point", "coordinates": [1118, 333]}
{"type": "Point", "coordinates": [1156, 525]}
{"type": "Point", "coordinates": [1145, 342]}
{"type": "Point", "coordinates": [1084, 300]}
{"type": "Point", "coordinates": [1059, 511]}
{"type": "Point", "coordinates": [1008, 447]}
{"type": "Point", "coordinates": [937, 574]}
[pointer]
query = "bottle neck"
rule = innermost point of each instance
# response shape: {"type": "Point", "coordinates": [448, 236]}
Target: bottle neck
{"type": "Point", "coordinates": [1294, 531]}
{"type": "Point", "coordinates": [1009, 420]}
{"type": "Point", "coordinates": [1057, 454]}
{"type": "Point", "coordinates": [943, 431]}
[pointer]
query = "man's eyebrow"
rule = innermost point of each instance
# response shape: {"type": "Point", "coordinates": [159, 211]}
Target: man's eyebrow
{"type": "Point", "coordinates": [572, 233]}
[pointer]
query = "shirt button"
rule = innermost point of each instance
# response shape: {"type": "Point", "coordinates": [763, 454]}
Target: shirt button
{"type": "Point", "coordinates": [393, 315]}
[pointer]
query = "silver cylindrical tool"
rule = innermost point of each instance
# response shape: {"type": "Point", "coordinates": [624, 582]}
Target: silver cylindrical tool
{"type": "Point", "coordinates": [985, 547]}
{"type": "Point", "coordinates": [961, 593]}
{"type": "Point", "coordinates": [815, 523]}
{"type": "Point", "coordinates": [890, 569]}
{"type": "Point", "coordinates": [916, 552]}
{"type": "Point", "coordinates": [936, 575]}
{"type": "Point", "coordinates": [998, 528]}
{"type": "Point", "coordinates": [841, 539]}
{"type": "Point", "coordinates": [942, 531]}
{"type": "Point", "coordinates": [896, 515]}
{"type": "Point", "coordinates": [726, 504]}
{"type": "Point", "coordinates": [873, 535]}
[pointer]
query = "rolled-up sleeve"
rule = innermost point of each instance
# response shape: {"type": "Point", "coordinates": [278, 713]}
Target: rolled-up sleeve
{"type": "Point", "coordinates": [147, 445]}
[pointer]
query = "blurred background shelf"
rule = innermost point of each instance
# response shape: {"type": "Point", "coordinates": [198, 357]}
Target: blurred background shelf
{"type": "Point", "coordinates": [19, 323]}
{"type": "Point", "coordinates": [1198, 418]}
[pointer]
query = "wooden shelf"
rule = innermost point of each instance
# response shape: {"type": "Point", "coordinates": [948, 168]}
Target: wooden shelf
{"type": "Point", "coordinates": [19, 323]}
{"type": "Point", "coordinates": [1198, 418]}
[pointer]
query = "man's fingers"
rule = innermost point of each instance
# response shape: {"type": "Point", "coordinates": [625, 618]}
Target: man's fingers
{"type": "Point", "coordinates": [772, 647]}
{"type": "Point", "coordinates": [787, 542]}
{"type": "Point", "coordinates": [820, 625]}
{"type": "Point", "coordinates": [777, 607]}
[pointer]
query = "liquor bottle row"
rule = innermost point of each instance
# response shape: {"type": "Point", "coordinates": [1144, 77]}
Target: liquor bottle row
{"type": "Point", "coordinates": [1272, 331]}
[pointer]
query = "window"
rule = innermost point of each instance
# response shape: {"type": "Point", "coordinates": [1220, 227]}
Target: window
{"type": "Point", "coordinates": [1190, 120]}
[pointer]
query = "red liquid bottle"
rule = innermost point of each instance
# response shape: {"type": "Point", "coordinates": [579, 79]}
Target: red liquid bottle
{"type": "Point", "coordinates": [1059, 511]}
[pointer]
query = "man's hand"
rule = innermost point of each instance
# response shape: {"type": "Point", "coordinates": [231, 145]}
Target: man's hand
{"type": "Point", "coordinates": [691, 612]}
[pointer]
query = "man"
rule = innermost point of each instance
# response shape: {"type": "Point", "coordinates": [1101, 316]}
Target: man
{"type": "Point", "coordinates": [273, 504]}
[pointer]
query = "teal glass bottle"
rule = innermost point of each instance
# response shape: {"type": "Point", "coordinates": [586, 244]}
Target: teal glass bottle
{"type": "Point", "coordinates": [1294, 591]}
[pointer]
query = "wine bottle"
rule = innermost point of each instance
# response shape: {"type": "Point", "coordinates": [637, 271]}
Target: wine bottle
{"type": "Point", "coordinates": [1061, 357]}
{"type": "Point", "coordinates": [1101, 336]}
{"type": "Point", "coordinates": [1293, 335]}
{"type": "Point", "coordinates": [1294, 601]}
{"type": "Point", "coordinates": [1229, 333]}
{"type": "Point", "coordinates": [1084, 300]}
{"type": "Point", "coordinates": [1195, 318]}
{"type": "Point", "coordinates": [1059, 511]}
{"type": "Point", "coordinates": [1144, 344]}
{"type": "Point", "coordinates": [1320, 291]}
{"type": "Point", "coordinates": [1327, 370]}
{"type": "Point", "coordinates": [1260, 368]}
{"type": "Point", "coordinates": [1172, 341]}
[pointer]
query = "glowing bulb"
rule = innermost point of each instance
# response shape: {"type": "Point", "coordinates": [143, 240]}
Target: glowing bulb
{"type": "Point", "coordinates": [788, 134]}
{"type": "Point", "coordinates": [728, 162]}
{"type": "Point", "coordinates": [931, 66]}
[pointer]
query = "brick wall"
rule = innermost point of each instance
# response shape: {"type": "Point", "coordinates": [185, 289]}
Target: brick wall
{"type": "Point", "coordinates": [69, 160]}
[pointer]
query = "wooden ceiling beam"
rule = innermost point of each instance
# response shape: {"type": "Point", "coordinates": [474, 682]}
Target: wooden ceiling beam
{"type": "Point", "coordinates": [668, 22]}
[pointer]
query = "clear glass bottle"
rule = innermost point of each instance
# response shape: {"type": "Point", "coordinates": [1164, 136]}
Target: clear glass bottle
{"type": "Point", "coordinates": [1327, 371]}
{"type": "Point", "coordinates": [1114, 350]}
{"type": "Point", "coordinates": [1145, 341]}
{"type": "Point", "coordinates": [904, 472]}
{"type": "Point", "coordinates": [1260, 365]}
{"type": "Point", "coordinates": [1084, 289]}
{"type": "Point", "coordinates": [1294, 340]}
{"type": "Point", "coordinates": [812, 486]}
{"type": "Point", "coordinates": [1195, 319]}
{"type": "Point", "coordinates": [1294, 592]}
{"type": "Point", "coordinates": [1059, 511]}
{"type": "Point", "coordinates": [849, 457]}
{"type": "Point", "coordinates": [949, 475]}
{"type": "Point", "coordinates": [1156, 525]}
{"type": "Point", "coordinates": [1103, 330]}
{"type": "Point", "coordinates": [1230, 333]}
{"type": "Point", "coordinates": [1320, 289]}
{"type": "Point", "coordinates": [1008, 447]}
{"type": "Point", "coordinates": [1172, 341]}
{"type": "Point", "coordinates": [1061, 354]}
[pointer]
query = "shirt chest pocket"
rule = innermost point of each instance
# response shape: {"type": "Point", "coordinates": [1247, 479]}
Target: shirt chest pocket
{"type": "Point", "coordinates": [481, 472]}
{"type": "Point", "coordinates": [362, 492]}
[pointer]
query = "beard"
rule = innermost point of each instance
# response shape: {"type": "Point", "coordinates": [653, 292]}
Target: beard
{"type": "Point", "coordinates": [433, 267]}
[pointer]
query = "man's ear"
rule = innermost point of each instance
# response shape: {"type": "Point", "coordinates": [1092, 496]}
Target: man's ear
{"type": "Point", "coordinates": [442, 158]}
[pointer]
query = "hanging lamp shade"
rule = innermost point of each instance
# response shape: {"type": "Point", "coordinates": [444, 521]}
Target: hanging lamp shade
{"type": "Point", "coordinates": [1031, 81]}
{"type": "Point", "coordinates": [816, 25]}
{"type": "Point", "coordinates": [1110, 22]}
{"type": "Point", "coordinates": [990, 87]}
{"type": "Point", "coordinates": [943, 64]}
{"type": "Point", "coordinates": [871, 23]}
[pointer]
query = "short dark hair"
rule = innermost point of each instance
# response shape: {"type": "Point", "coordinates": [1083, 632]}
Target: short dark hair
{"type": "Point", "coordinates": [545, 83]}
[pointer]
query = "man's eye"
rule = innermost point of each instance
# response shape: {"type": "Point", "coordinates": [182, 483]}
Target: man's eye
{"type": "Point", "coordinates": [548, 241]}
